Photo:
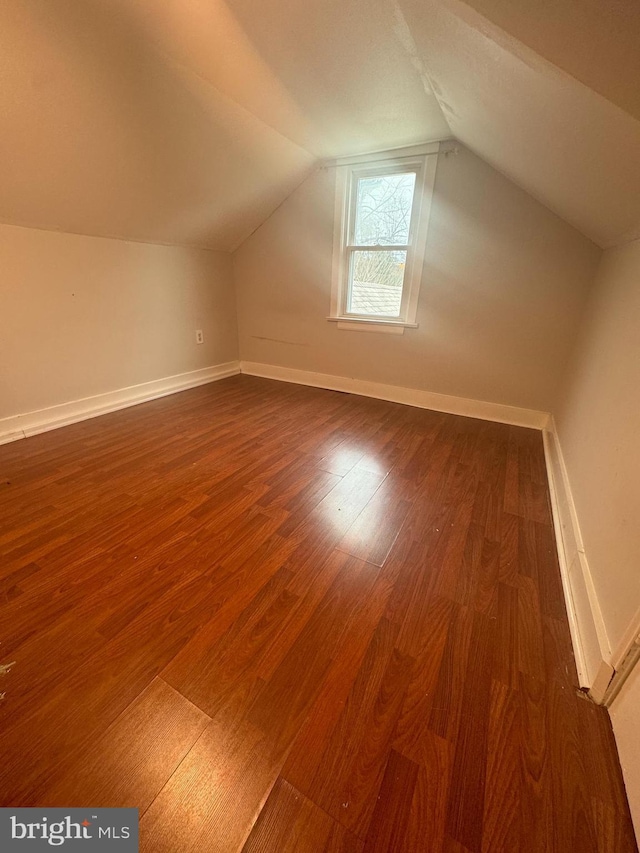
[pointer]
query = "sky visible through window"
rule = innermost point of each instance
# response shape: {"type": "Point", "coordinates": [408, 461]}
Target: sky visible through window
{"type": "Point", "coordinates": [383, 218]}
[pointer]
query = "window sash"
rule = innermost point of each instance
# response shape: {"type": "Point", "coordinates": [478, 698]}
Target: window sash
{"type": "Point", "coordinates": [348, 294]}
{"type": "Point", "coordinates": [397, 169]}
{"type": "Point", "coordinates": [422, 160]}
{"type": "Point", "coordinates": [349, 246]}
{"type": "Point", "coordinates": [395, 247]}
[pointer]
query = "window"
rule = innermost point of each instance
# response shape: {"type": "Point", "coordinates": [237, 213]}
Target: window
{"type": "Point", "coordinates": [382, 211]}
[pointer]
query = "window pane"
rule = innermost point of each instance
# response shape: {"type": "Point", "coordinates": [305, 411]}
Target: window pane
{"type": "Point", "coordinates": [383, 210]}
{"type": "Point", "coordinates": [376, 283]}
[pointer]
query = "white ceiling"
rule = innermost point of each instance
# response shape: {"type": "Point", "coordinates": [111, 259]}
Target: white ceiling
{"type": "Point", "coordinates": [189, 121]}
{"type": "Point", "coordinates": [596, 41]}
{"type": "Point", "coordinates": [101, 134]}
{"type": "Point", "coordinates": [568, 146]}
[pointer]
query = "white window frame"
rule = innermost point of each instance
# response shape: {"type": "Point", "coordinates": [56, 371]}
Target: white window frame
{"type": "Point", "coordinates": [419, 159]}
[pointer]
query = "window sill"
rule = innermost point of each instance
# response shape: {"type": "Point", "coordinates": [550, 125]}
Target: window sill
{"type": "Point", "coordinates": [360, 324]}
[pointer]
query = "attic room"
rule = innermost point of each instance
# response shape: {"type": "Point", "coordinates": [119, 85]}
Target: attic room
{"type": "Point", "coordinates": [319, 471]}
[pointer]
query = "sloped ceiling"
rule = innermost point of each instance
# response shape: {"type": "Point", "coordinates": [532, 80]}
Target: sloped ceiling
{"type": "Point", "coordinates": [162, 120]}
{"type": "Point", "coordinates": [568, 146]}
{"type": "Point", "coordinates": [189, 121]}
{"type": "Point", "coordinates": [596, 41]}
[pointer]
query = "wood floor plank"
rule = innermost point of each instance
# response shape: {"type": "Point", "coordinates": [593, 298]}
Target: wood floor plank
{"type": "Point", "coordinates": [570, 785]}
{"type": "Point", "coordinates": [601, 761]}
{"type": "Point", "coordinates": [309, 589]}
{"type": "Point", "coordinates": [213, 799]}
{"type": "Point", "coordinates": [466, 801]}
{"type": "Point", "coordinates": [446, 697]}
{"type": "Point", "coordinates": [351, 768]}
{"type": "Point", "coordinates": [373, 533]}
{"type": "Point", "coordinates": [306, 752]}
{"type": "Point", "coordinates": [509, 547]}
{"type": "Point", "coordinates": [502, 818]}
{"type": "Point", "coordinates": [511, 500]}
{"type": "Point", "coordinates": [548, 574]}
{"type": "Point", "coordinates": [389, 825]}
{"type": "Point", "coordinates": [426, 829]}
{"type": "Point", "coordinates": [428, 701]}
{"type": "Point", "coordinates": [536, 829]}
{"type": "Point", "coordinates": [131, 762]}
{"type": "Point", "coordinates": [357, 609]}
{"type": "Point", "coordinates": [290, 692]}
{"type": "Point", "coordinates": [530, 633]}
{"type": "Point", "coordinates": [614, 835]}
{"type": "Point", "coordinates": [290, 823]}
{"type": "Point", "coordinates": [211, 670]}
{"type": "Point", "coordinates": [344, 503]}
{"type": "Point", "coordinates": [507, 651]}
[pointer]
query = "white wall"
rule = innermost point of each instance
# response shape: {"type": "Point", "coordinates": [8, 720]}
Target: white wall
{"type": "Point", "coordinates": [504, 286]}
{"type": "Point", "coordinates": [625, 716]}
{"type": "Point", "coordinates": [86, 315]}
{"type": "Point", "coordinates": [598, 425]}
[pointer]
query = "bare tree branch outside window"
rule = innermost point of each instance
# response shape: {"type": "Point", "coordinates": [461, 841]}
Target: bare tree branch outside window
{"type": "Point", "coordinates": [383, 219]}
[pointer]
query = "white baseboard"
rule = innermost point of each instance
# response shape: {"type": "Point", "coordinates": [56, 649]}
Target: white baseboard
{"type": "Point", "coordinates": [588, 633]}
{"type": "Point", "coordinates": [397, 394]}
{"type": "Point", "coordinates": [31, 423]}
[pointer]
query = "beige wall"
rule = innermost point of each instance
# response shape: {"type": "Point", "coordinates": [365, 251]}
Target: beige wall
{"type": "Point", "coordinates": [503, 291]}
{"type": "Point", "coordinates": [625, 716]}
{"type": "Point", "coordinates": [86, 315]}
{"type": "Point", "coordinates": [598, 422]}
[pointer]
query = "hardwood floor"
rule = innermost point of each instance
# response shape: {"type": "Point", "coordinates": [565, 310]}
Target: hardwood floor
{"type": "Point", "coordinates": [276, 618]}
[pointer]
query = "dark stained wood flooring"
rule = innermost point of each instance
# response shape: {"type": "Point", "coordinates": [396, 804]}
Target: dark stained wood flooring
{"type": "Point", "coordinates": [277, 618]}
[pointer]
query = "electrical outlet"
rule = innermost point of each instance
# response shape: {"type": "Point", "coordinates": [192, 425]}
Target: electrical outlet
{"type": "Point", "coordinates": [199, 336]}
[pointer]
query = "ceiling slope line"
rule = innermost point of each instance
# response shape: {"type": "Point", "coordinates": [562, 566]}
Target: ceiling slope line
{"type": "Point", "coordinates": [402, 31]}
{"type": "Point", "coordinates": [605, 210]}
{"type": "Point", "coordinates": [49, 229]}
{"type": "Point", "coordinates": [313, 168]}
{"type": "Point", "coordinates": [193, 74]}
{"type": "Point", "coordinates": [507, 41]}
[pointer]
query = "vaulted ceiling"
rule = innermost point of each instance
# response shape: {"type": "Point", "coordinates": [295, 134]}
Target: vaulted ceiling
{"type": "Point", "coordinates": [189, 121]}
